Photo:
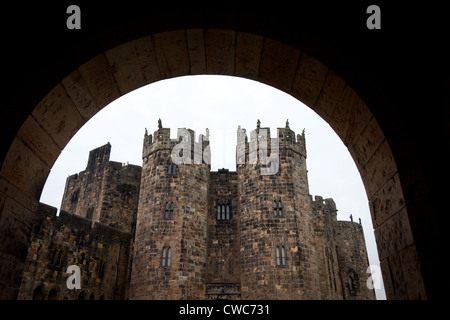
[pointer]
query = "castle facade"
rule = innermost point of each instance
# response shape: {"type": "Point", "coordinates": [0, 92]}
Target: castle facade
{"type": "Point", "coordinates": [174, 229]}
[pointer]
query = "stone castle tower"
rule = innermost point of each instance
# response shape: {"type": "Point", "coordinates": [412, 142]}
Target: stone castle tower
{"type": "Point", "coordinates": [170, 243]}
{"type": "Point", "coordinates": [254, 233]}
{"type": "Point", "coordinates": [174, 229]}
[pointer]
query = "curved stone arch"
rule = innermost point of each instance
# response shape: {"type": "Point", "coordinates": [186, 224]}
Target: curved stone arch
{"type": "Point", "coordinates": [250, 52]}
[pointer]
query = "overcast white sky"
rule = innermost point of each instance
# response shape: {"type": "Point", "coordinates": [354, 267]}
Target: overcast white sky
{"type": "Point", "coordinates": [219, 103]}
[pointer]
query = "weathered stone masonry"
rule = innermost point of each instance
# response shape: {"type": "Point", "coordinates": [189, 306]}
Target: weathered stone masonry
{"type": "Point", "coordinates": [175, 230]}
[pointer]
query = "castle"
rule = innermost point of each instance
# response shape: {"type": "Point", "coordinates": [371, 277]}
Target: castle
{"type": "Point", "coordinates": [174, 229]}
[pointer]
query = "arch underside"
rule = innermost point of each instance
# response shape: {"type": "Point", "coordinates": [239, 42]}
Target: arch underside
{"type": "Point", "coordinates": [245, 46]}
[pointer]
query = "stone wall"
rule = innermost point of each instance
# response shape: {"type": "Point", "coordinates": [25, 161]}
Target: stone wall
{"type": "Point", "coordinates": [182, 228]}
{"type": "Point", "coordinates": [106, 192]}
{"type": "Point", "coordinates": [223, 244]}
{"type": "Point", "coordinates": [353, 260]}
{"type": "Point", "coordinates": [101, 252]}
{"type": "Point", "coordinates": [278, 259]}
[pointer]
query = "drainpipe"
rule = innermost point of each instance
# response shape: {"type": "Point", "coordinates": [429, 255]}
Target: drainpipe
{"type": "Point", "coordinates": [117, 270]}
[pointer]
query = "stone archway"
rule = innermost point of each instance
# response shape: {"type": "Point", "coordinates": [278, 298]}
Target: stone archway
{"type": "Point", "coordinates": [236, 44]}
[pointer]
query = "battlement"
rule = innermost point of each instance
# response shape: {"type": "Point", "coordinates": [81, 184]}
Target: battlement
{"type": "Point", "coordinates": [324, 207]}
{"type": "Point", "coordinates": [185, 149]}
{"type": "Point", "coordinates": [99, 156]}
{"type": "Point", "coordinates": [261, 143]}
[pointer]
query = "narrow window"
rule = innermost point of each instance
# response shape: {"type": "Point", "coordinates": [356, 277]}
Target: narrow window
{"type": "Point", "coordinates": [228, 212]}
{"type": "Point", "coordinates": [278, 256]}
{"type": "Point", "coordinates": [218, 212]}
{"type": "Point", "coordinates": [169, 256]}
{"type": "Point", "coordinates": [280, 208]}
{"type": "Point", "coordinates": [230, 270]}
{"type": "Point", "coordinates": [283, 256]}
{"type": "Point", "coordinates": [171, 211]}
{"type": "Point", "coordinates": [166, 213]}
{"type": "Point", "coordinates": [275, 211]}
{"type": "Point", "coordinates": [163, 263]}
{"type": "Point", "coordinates": [174, 169]}
{"type": "Point", "coordinates": [59, 259]}
{"type": "Point", "coordinates": [166, 257]}
{"type": "Point", "coordinates": [170, 169]}
{"type": "Point", "coordinates": [223, 212]}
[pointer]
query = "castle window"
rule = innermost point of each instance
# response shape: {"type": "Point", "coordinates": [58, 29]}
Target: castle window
{"type": "Point", "coordinates": [353, 282]}
{"type": "Point", "coordinates": [166, 257]}
{"type": "Point", "coordinates": [281, 256]}
{"type": "Point", "coordinates": [223, 212]}
{"type": "Point", "coordinates": [172, 169]}
{"type": "Point", "coordinates": [168, 213]}
{"type": "Point", "coordinates": [74, 197]}
{"type": "Point", "coordinates": [89, 213]}
{"type": "Point", "coordinates": [56, 258]}
{"type": "Point", "coordinates": [277, 208]}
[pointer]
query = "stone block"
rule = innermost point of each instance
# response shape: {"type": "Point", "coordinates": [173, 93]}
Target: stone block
{"type": "Point", "coordinates": [309, 79]}
{"type": "Point", "coordinates": [379, 168]}
{"type": "Point", "coordinates": [196, 48]}
{"type": "Point", "coordinates": [99, 79]}
{"type": "Point", "coordinates": [58, 116]}
{"type": "Point", "coordinates": [220, 51]}
{"type": "Point", "coordinates": [25, 170]}
{"type": "Point", "coordinates": [350, 116]}
{"type": "Point", "coordinates": [38, 140]}
{"type": "Point", "coordinates": [330, 93]}
{"type": "Point", "coordinates": [394, 234]}
{"type": "Point", "coordinates": [248, 53]}
{"type": "Point", "coordinates": [78, 92]}
{"type": "Point", "coordinates": [171, 53]}
{"type": "Point", "coordinates": [133, 64]}
{"type": "Point", "coordinates": [367, 142]}
{"type": "Point", "coordinates": [278, 64]}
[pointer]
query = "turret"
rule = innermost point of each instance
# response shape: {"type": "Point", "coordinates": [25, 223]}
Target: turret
{"type": "Point", "coordinates": [172, 217]}
{"type": "Point", "coordinates": [276, 219]}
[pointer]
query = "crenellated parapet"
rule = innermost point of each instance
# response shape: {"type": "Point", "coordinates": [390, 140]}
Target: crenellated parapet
{"type": "Point", "coordinates": [262, 148]}
{"type": "Point", "coordinates": [185, 149]}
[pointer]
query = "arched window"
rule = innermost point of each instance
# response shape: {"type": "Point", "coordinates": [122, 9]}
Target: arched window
{"type": "Point", "coordinates": [172, 169]}
{"type": "Point", "coordinates": [56, 258]}
{"type": "Point", "coordinates": [52, 295]}
{"type": "Point", "coordinates": [277, 208]}
{"type": "Point", "coordinates": [38, 293]}
{"type": "Point", "coordinates": [168, 213]}
{"type": "Point", "coordinates": [283, 256]}
{"type": "Point", "coordinates": [223, 212]}
{"type": "Point", "coordinates": [166, 257]}
{"type": "Point", "coordinates": [169, 256]}
{"type": "Point", "coordinates": [278, 256]}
